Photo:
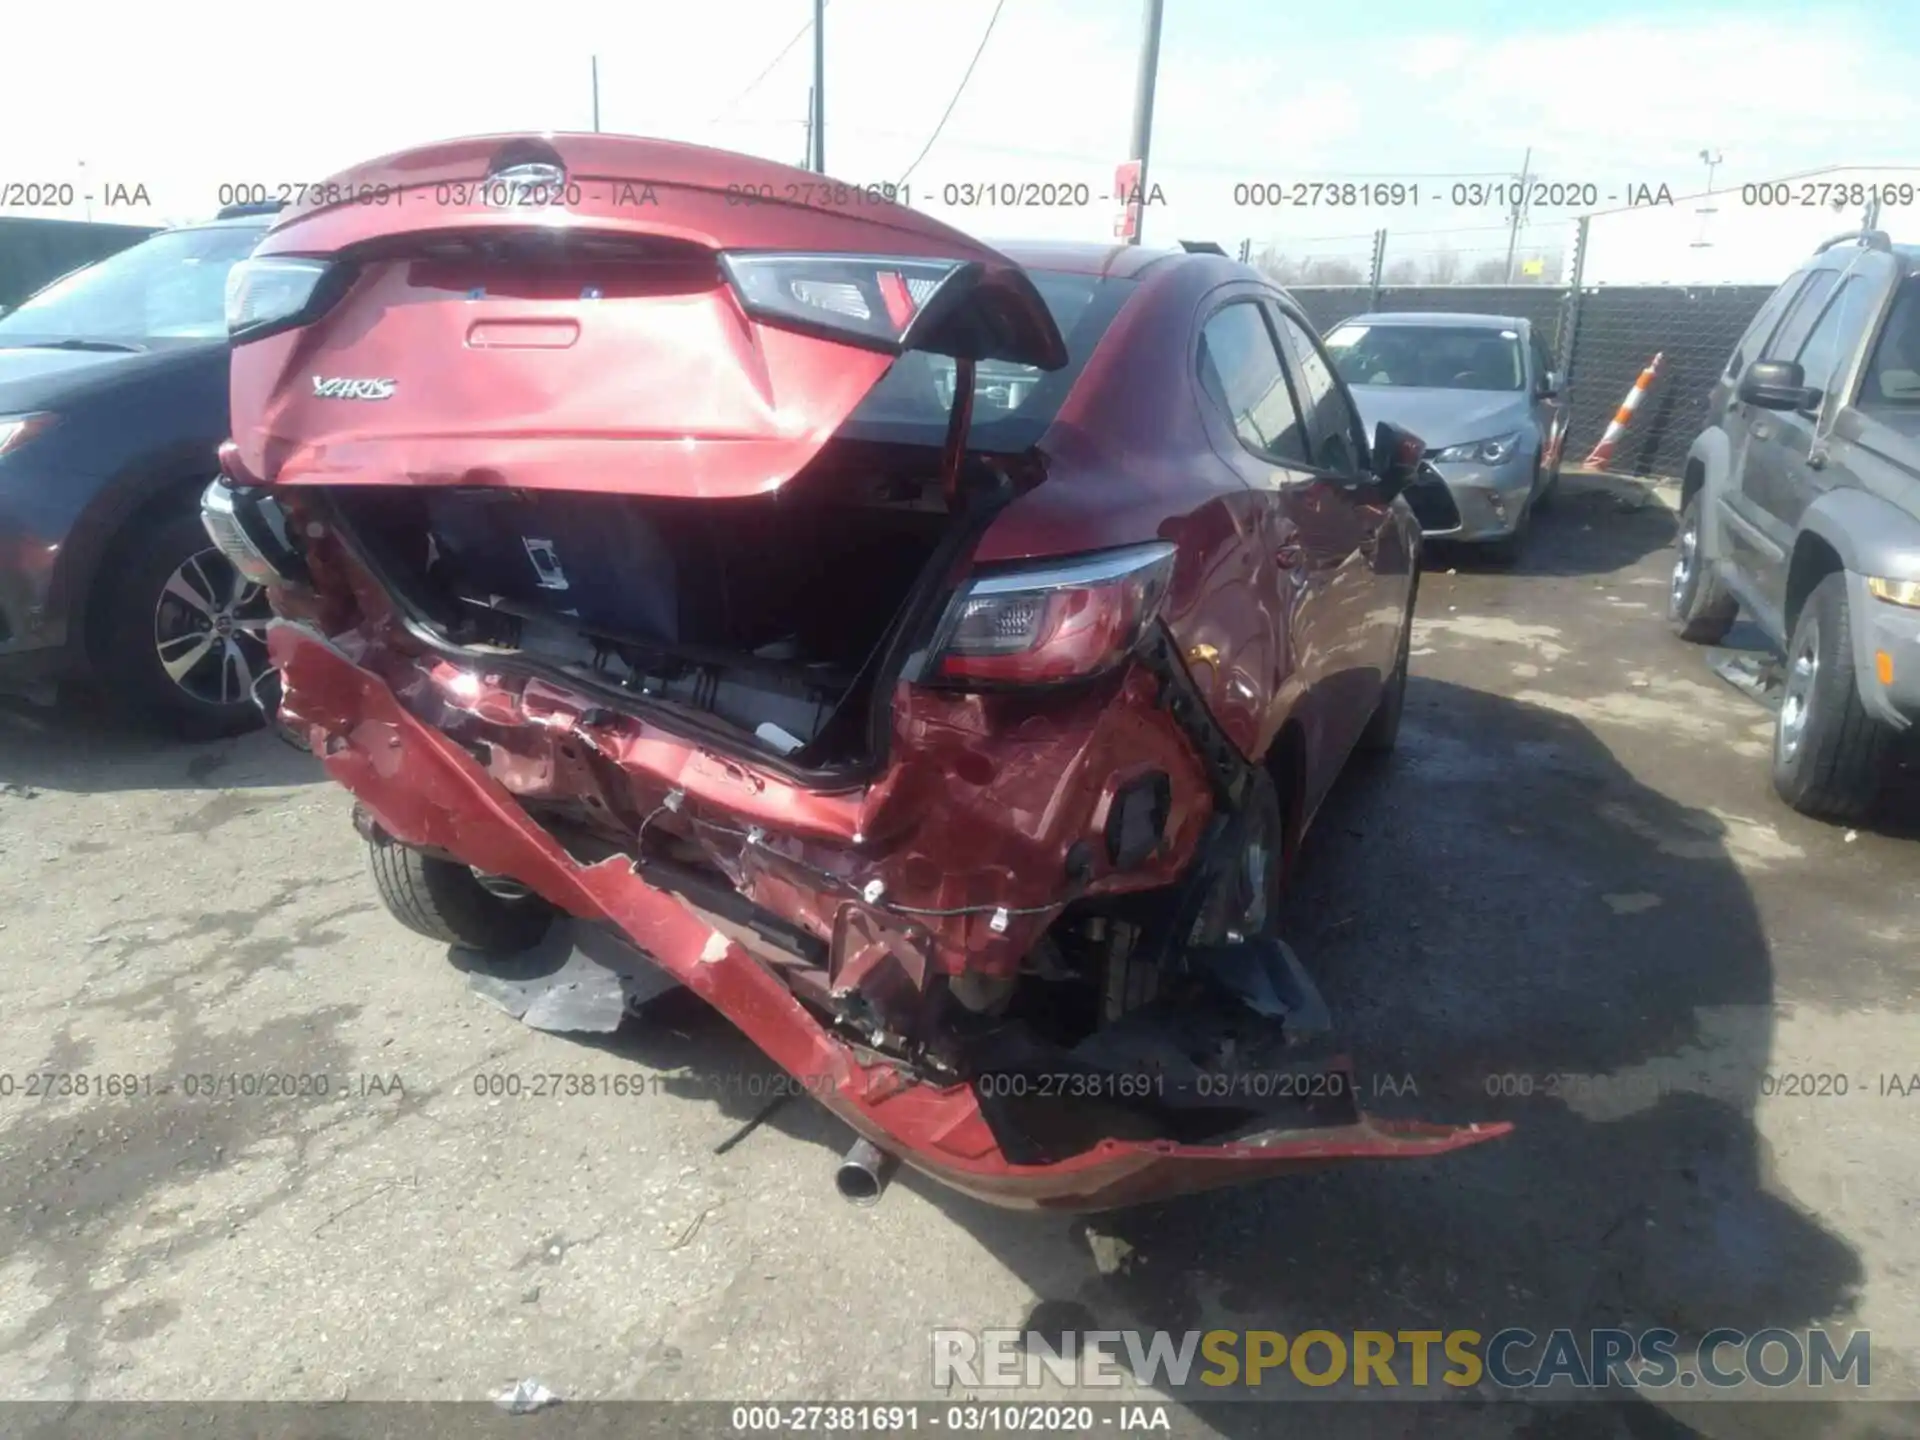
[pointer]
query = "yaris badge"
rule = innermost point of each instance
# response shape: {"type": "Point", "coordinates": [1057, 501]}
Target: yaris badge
{"type": "Point", "coordinates": [340, 388]}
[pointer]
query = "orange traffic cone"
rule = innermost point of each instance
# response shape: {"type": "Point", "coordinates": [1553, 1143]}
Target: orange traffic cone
{"type": "Point", "coordinates": [1603, 452]}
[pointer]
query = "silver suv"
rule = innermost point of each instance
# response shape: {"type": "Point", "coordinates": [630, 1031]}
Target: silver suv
{"type": "Point", "coordinates": [1801, 507]}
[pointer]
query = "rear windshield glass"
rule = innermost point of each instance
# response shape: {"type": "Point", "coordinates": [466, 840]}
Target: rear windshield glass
{"type": "Point", "coordinates": [1012, 404]}
{"type": "Point", "coordinates": [1893, 378]}
{"type": "Point", "coordinates": [1429, 357]}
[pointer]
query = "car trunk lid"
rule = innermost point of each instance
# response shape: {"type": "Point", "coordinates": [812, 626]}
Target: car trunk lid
{"type": "Point", "coordinates": [606, 314]}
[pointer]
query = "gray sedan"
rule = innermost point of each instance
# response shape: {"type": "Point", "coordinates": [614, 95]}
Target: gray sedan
{"type": "Point", "coordinates": [1480, 391]}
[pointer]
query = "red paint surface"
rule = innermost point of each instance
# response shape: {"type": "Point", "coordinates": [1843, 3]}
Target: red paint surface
{"type": "Point", "coordinates": [422, 788]}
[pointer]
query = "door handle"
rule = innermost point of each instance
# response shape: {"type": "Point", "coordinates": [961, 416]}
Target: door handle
{"type": "Point", "coordinates": [1762, 432]}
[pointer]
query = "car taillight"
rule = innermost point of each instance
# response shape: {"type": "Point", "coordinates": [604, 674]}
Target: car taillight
{"type": "Point", "coordinates": [866, 300]}
{"type": "Point", "coordinates": [1065, 620]}
{"type": "Point", "coordinates": [270, 293]}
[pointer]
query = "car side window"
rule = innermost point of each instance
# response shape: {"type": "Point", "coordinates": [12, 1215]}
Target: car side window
{"type": "Point", "coordinates": [1240, 368]}
{"type": "Point", "coordinates": [1893, 375]}
{"type": "Point", "coordinates": [1333, 429]}
{"type": "Point", "coordinates": [1763, 323]}
{"type": "Point", "coordinates": [1801, 314]}
{"type": "Point", "coordinates": [1833, 334]}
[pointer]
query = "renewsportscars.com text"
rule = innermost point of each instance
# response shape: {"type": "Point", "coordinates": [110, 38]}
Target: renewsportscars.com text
{"type": "Point", "coordinates": [1512, 1358]}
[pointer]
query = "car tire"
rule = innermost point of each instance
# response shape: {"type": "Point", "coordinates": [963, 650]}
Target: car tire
{"type": "Point", "coordinates": [1699, 608]}
{"type": "Point", "coordinates": [1383, 726]}
{"type": "Point", "coordinates": [443, 900]}
{"type": "Point", "coordinates": [181, 636]}
{"type": "Point", "coordinates": [1829, 754]}
{"type": "Point", "coordinates": [1246, 900]}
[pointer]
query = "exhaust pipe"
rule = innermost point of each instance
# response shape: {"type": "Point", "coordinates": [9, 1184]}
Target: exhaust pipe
{"type": "Point", "coordinates": [864, 1173]}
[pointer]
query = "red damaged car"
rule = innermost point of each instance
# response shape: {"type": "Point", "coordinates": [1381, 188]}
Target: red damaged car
{"type": "Point", "coordinates": [930, 655]}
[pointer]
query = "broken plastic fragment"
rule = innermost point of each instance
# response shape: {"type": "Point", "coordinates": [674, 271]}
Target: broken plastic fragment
{"type": "Point", "coordinates": [525, 1397]}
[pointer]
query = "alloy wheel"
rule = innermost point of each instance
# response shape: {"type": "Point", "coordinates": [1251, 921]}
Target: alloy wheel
{"type": "Point", "coordinates": [1803, 674]}
{"type": "Point", "coordinates": [1683, 566]}
{"type": "Point", "coordinates": [210, 629]}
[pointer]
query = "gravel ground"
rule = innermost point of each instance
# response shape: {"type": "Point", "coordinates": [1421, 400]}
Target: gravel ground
{"type": "Point", "coordinates": [1574, 865]}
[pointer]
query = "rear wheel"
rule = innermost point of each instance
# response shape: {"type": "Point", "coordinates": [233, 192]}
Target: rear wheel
{"type": "Point", "coordinates": [444, 900]}
{"type": "Point", "coordinates": [183, 635]}
{"type": "Point", "coordinates": [1245, 901]}
{"type": "Point", "coordinates": [1698, 607]}
{"type": "Point", "coordinates": [1828, 753]}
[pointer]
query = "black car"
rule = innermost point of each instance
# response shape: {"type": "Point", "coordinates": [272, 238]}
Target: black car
{"type": "Point", "coordinates": [113, 405]}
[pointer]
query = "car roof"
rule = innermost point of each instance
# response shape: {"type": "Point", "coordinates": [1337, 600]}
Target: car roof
{"type": "Point", "coordinates": [1453, 318]}
{"type": "Point", "coordinates": [1085, 257]}
{"type": "Point", "coordinates": [237, 222]}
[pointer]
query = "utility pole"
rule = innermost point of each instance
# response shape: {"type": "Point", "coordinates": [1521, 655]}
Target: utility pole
{"type": "Point", "coordinates": [1711, 158]}
{"type": "Point", "coordinates": [1143, 112]}
{"type": "Point", "coordinates": [1519, 210]}
{"type": "Point", "coordinates": [817, 108]}
{"type": "Point", "coordinates": [596, 94]}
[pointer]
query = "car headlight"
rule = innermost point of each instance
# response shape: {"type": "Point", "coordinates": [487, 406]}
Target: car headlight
{"type": "Point", "coordinates": [1496, 450]}
{"type": "Point", "coordinates": [18, 429]}
{"type": "Point", "coordinates": [273, 292]}
{"type": "Point", "coordinates": [1895, 592]}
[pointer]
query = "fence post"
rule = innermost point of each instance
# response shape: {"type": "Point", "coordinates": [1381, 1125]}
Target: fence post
{"type": "Point", "coordinates": [1379, 263]}
{"type": "Point", "coordinates": [1570, 321]}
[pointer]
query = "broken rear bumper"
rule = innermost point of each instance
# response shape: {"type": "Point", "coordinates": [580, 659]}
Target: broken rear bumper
{"type": "Point", "coordinates": [423, 789]}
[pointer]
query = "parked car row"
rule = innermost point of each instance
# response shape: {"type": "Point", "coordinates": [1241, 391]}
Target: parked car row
{"type": "Point", "coordinates": [933, 655]}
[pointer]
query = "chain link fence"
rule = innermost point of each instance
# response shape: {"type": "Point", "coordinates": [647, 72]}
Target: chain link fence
{"type": "Point", "coordinates": [1601, 336]}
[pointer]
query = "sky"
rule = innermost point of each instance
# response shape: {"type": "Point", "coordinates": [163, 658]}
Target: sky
{"type": "Point", "coordinates": [1252, 93]}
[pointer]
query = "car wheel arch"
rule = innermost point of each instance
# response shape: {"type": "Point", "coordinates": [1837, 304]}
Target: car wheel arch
{"type": "Point", "coordinates": [146, 501]}
{"type": "Point", "coordinates": [1706, 474]}
{"type": "Point", "coordinates": [1814, 558]}
{"type": "Point", "coordinates": [1286, 763]}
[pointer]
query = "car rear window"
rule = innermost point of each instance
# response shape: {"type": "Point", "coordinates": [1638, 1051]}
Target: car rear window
{"type": "Point", "coordinates": [1429, 357]}
{"type": "Point", "coordinates": [1012, 404]}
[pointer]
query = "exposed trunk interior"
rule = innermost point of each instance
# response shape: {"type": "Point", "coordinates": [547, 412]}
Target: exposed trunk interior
{"type": "Point", "coordinates": [768, 613]}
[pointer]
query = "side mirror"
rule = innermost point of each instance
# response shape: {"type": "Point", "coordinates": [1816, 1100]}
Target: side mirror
{"type": "Point", "coordinates": [1396, 457]}
{"type": "Point", "coordinates": [1549, 385]}
{"type": "Point", "coordinates": [1774, 385]}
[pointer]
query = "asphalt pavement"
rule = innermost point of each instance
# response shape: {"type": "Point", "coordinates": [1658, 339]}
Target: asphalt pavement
{"type": "Point", "coordinates": [1570, 901]}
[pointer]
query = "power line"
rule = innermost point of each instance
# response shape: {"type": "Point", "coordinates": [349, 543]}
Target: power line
{"type": "Point", "coordinates": [993, 20]}
{"type": "Point", "coordinates": [798, 36]}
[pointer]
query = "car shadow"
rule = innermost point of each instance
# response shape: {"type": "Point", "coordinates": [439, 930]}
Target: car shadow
{"type": "Point", "coordinates": [1487, 917]}
{"type": "Point", "coordinates": [81, 746]}
{"type": "Point", "coordinates": [1595, 524]}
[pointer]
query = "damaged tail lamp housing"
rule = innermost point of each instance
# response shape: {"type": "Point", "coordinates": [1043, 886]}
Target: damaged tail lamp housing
{"type": "Point", "coordinates": [250, 529]}
{"type": "Point", "coordinates": [876, 302]}
{"type": "Point", "coordinates": [1060, 621]}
